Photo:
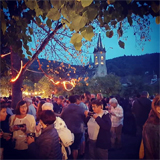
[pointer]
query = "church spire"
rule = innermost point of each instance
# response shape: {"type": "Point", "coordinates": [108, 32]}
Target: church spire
{"type": "Point", "coordinates": [99, 43]}
{"type": "Point", "coordinates": [90, 60]}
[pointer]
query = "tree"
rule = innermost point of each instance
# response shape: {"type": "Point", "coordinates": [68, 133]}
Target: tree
{"type": "Point", "coordinates": [76, 16]}
{"type": "Point", "coordinates": [108, 85]}
{"type": "Point", "coordinates": [5, 86]}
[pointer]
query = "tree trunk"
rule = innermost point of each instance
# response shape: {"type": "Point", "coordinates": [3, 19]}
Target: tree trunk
{"type": "Point", "coordinates": [17, 85]}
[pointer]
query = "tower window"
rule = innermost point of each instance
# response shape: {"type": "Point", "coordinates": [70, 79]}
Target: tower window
{"type": "Point", "coordinates": [102, 57]}
{"type": "Point", "coordinates": [96, 63]}
{"type": "Point", "coordinates": [101, 52]}
{"type": "Point", "coordinates": [102, 63]}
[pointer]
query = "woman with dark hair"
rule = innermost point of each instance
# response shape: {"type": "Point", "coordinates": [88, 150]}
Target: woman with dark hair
{"type": "Point", "coordinates": [47, 145]}
{"type": "Point", "coordinates": [150, 135]}
{"type": "Point", "coordinates": [21, 123]}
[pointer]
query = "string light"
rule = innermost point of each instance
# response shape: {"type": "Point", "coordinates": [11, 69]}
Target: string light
{"type": "Point", "coordinates": [72, 82]}
{"type": "Point", "coordinates": [14, 79]}
{"type": "Point", "coordinates": [3, 55]}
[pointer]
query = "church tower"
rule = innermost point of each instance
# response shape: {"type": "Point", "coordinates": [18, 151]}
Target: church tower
{"type": "Point", "coordinates": [100, 59]}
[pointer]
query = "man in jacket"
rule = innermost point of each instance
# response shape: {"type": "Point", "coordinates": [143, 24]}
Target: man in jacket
{"type": "Point", "coordinates": [73, 116]}
{"type": "Point", "coordinates": [141, 108]}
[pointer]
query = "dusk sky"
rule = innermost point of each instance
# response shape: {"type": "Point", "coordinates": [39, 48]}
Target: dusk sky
{"type": "Point", "coordinates": [131, 46]}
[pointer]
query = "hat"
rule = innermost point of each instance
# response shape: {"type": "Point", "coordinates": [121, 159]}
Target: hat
{"type": "Point", "coordinates": [47, 106]}
{"type": "Point", "coordinates": [28, 100]}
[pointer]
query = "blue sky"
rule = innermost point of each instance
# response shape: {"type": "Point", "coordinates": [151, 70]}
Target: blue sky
{"type": "Point", "coordinates": [131, 45]}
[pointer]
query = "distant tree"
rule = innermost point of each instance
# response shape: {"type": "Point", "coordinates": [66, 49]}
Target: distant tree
{"type": "Point", "coordinates": [5, 86]}
{"type": "Point", "coordinates": [108, 85]}
{"type": "Point", "coordinates": [134, 87]}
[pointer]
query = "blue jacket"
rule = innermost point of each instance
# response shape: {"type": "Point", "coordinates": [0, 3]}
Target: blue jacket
{"type": "Point", "coordinates": [47, 145]}
{"type": "Point", "coordinates": [73, 115]}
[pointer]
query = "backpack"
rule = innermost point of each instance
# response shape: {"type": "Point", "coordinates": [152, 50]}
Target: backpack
{"type": "Point", "coordinates": [64, 133]}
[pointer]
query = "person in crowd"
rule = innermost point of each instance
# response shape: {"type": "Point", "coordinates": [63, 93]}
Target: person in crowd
{"type": "Point", "coordinates": [100, 98]}
{"type": "Point", "coordinates": [34, 103]}
{"type": "Point", "coordinates": [58, 105]}
{"type": "Point", "coordinates": [80, 103]}
{"type": "Point", "coordinates": [141, 108]}
{"type": "Point", "coordinates": [84, 107]}
{"type": "Point", "coordinates": [39, 110]}
{"type": "Point", "coordinates": [151, 133]}
{"type": "Point", "coordinates": [83, 98]}
{"type": "Point", "coordinates": [93, 96]}
{"type": "Point", "coordinates": [9, 109]}
{"type": "Point", "coordinates": [87, 96]}
{"type": "Point", "coordinates": [31, 108]}
{"type": "Point", "coordinates": [99, 125]}
{"type": "Point", "coordinates": [58, 125]}
{"type": "Point", "coordinates": [21, 123]}
{"type": "Point", "coordinates": [5, 134]}
{"type": "Point", "coordinates": [47, 145]}
{"type": "Point", "coordinates": [73, 116]}
{"type": "Point", "coordinates": [116, 112]}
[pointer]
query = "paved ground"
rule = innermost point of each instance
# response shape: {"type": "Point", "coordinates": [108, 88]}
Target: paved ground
{"type": "Point", "coordinates": [129, 150]}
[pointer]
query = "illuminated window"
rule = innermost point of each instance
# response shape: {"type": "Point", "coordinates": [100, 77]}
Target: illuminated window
{"type": "Point", "coordinates": [96, 56]}
{"type": "Point", "coordinates": [102, 63]}
{"type": "Point", "coordinates": [96, 63]}
{"type": "Point", "coordinates": [101, 57]}
{"type": "Point", "coordinates": [101, 52]}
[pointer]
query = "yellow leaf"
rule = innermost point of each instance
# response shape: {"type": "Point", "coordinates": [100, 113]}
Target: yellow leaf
{"type": "Point", "coordinates": [158, 19]}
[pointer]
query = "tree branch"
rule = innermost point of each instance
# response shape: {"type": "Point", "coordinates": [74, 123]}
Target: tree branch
{"type": "Point", "coordinates": [43, 45]}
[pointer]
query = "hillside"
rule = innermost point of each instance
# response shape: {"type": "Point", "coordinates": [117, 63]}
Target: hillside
{"type": "Point", "coordinates": [134, 65]}
{"type": "Point", "coordinates": [121, 66]}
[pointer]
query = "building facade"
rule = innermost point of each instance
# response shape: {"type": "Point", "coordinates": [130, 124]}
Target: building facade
{"type": "Point", "coordinates": [100, 59]}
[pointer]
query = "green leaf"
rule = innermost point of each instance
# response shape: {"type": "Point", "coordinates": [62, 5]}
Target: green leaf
{"type": "Point", "coordinates": [76, 38]}
{"type": "Point", "coordinates": [109, 34]}
{"type": "Point", "coordinates": [86, 3]}
{"type": "Point", "coordinates": [49, 23]}
{"type": "Point", "coordinates": [30, 30]}
{"type": "Point", "coordinates": [64, 21]}
{"type": "Point", "coordinates": [158, 19]}
{"type": "Point", "coordinates": [30, 4]}
{"type": "Point", "coordinates": [130, 20]}
{"type": "Point", "coordinates": [88, 33]}
{"type": "Point", "coordinates": [57, 4]}
{"type": "Point", "coordinates": [128, 1]}
{"type": "Point", "coordinates": [29, 53]}
{"type": "Point", "coordinates": [78, 22]}
{"type": "Point", "coordinates": [78, 46]}
{"type": "Point", "coordinates": [53, 14]}
{"type": "Point", "coordinates": [121, 44]}
{"type": "Point", "coordinates": [38, 10]}
{"type": "Point", "coordinates": [64, 12]}
{"type": "Point", "coordinates": [29, 58]}
{"type": "Point", "coordinates": [38, 20]}
{"type": "Point", "coordinates": [155, 7]}
{"type": "Point", "coordinates": [4, 4]}
{"type": "Point", "coordinates": [91, 13]}
{"type": "Point", "coordinates": [3, 23]}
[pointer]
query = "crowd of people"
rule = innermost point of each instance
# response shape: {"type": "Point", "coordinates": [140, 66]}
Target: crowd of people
{"type": "Point", "coordinates": [78, 127]}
